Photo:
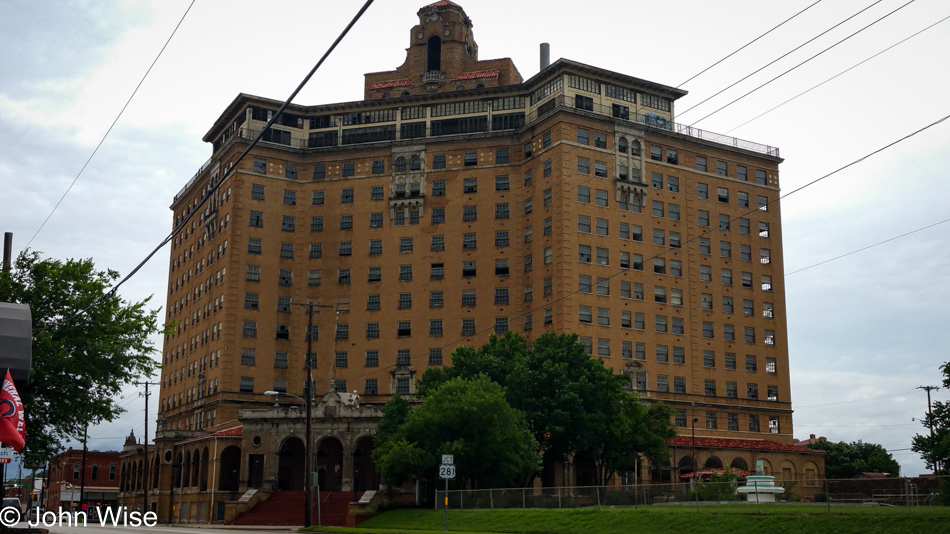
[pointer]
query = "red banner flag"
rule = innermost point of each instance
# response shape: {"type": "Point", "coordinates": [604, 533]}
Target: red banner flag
{"type": "Point", "coordinates": [12, 424]}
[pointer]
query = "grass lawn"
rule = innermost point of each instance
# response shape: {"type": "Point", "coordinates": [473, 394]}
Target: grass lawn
{"type": "Point", "coordinates": [730, 519]}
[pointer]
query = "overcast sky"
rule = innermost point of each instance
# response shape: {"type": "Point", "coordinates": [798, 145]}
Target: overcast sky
{"type": "Point", "coordinates": [865, 330]}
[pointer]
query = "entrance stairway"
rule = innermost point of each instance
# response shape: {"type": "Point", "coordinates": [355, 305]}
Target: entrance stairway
{"type": "Point", "coordinates": [287, 508]}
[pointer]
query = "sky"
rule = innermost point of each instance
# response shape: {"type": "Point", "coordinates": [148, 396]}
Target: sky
{"type": "Point", "coordinates": [864, 330]}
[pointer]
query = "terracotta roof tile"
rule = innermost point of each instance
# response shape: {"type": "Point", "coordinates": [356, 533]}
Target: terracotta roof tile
{"type": "Point", "coordinates": [391, 83]}
{"type": "Point", "coordinates": [476, 75]}
{"type": "Point", "coordinates": [749, 444]}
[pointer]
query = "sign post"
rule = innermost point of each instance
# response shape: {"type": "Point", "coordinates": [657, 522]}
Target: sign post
{"type": "Point", "coordinates": [447, 471]}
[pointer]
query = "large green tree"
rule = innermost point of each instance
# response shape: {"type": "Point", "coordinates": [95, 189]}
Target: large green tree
{"type": "Point", "coordinates": [573, 404]}
{"type": "Point", "coordinates": [935, 448]}
{"type": "Point", "coordinates": [471, 420]}
{"type": "Point", "coordinates": [845, 460]}
{"type": "Point", "coordinates": [80, 365]}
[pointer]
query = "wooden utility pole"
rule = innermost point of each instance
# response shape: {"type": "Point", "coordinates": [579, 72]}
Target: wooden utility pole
{"type": "Point", "coordinates": [930, 420]}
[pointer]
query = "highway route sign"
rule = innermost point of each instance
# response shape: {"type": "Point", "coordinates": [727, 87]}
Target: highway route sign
{"type": "Point", "coordinates": [447, 472]}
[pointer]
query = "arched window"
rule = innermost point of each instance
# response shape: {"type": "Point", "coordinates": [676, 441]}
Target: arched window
{"type": "Point", "coordinates": [405, 93]}
{"type": "Point", "coordinates": [415, 163]}
{"type": "Point", "coordinates": [635, 148]}
{"type": "Point", "coordinates": [385, 95]}
{"type": "Point", "coordinates": [622, 145]}
{"type": "Point", "coordinates": [434, 54]}
{"type": "Point", "coordinates": [400, 164]}
{"type": "Point", "coordinates": [460, 88]}
{"type": "Point", "coordinates": [76, 472]}
{"type": "Point", "coordinates": [480, 86]}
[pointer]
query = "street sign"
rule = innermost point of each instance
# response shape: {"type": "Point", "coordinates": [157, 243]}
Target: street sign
{"type": "Point", "coordinates": [6, 455]}
{"type": "Point", "coordinates": [448, 459]}
{"type": "Point", "coordinates": [447, 472]}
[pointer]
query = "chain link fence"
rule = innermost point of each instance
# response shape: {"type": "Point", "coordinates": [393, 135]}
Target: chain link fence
{"type": "Point", "coordinates": [892, 491]}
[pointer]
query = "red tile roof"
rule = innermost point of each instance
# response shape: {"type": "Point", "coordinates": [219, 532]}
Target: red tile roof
{"type": "Point", "coordinates": [749, 444]}
{"type": "Point", "coordinates": [476, 75]}
{"type": "Point", "coordinates": [443, 3]}
{"type": "Point", "coordinates": [391, 83]}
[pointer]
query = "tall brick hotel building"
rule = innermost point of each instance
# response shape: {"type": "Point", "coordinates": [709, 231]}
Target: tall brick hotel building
{"type": "Point", "coordinates": [456, 200]}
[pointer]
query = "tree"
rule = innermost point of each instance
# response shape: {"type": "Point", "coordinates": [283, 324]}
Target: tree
{"type": "Point", "coordinates": [79, 365]}
{"type": "Point", "coordinates": [471, 420]}
{"type": "Point", "coordinates": [845, 460]}
{"type": "Point", "coordinates": [572, 403]}
{"type": "Point", "coordinates": [935, 449]}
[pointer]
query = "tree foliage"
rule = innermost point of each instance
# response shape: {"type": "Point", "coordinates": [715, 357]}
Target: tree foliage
{"type": "Point", "coordinates": [935, 449]}
{"type": "Point", "coordinates": [572, 403]}
{"type": "Point", "coordinates": [80, 366]}
{"type": "Point", "coordinates": [845, 460]}
{"type": "Point", "coordinates": [471, 420]}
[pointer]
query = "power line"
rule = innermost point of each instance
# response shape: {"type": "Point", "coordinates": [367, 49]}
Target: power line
{"type": "Point", "coordinates": [865, 248]}
{"type": "Point", "coordinates": [856, 400]}
{"type": "Point", "coordinates": [691, 78]}
{"type": "Point", "coordinates": [802, 63]}
{"type": "Point", "coordinates": [837, 75]}
{"type": "Point", "coordinates": [101, 141]}
{"type": "Point", "coordinates": [227, 172]}
{"type": "Point", "coordinates": [760, 69]}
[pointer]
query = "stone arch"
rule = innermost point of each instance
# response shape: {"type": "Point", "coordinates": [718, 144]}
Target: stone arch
{"type": "Point", "coordinates": [330, 463]}
{"type": "Point", "coordinates": [766, 466]}
{"type": "Point", "coordinates": [203, 484]}
{"type": "Point", "coordinates": [400, 164]}
{"type": "Point", "coordinates": [789, 472]}
{"type": "Point", "coordinates": [739, 463]}
{"type": "Point", "coordinates": [584, 471]}
{"type": "Point", "coordinates": [230, 469]}
{"type": "Point", "coordinates": [291, 458]}
{"type": "Point", "coordinates": [415, 163]}
{"type": "Point", "coordinates": [811, 473]}
{"type": "Point", "coordinates": [713, 462]}
{"type": "Point", "coordinates": [186, 471]}
{"type": "Point", "coordinates": [195, 467]}
{"type": "Point", "coordinates": [685, 464]}
{"type": "Point", "coordinates": [434, 53]}
{"type": "Point", "coordinates": [365, 473]}
{"type": "Point", "coordinates": [176, 477]}
{"type": "Point", "coordinates": [622, 145]}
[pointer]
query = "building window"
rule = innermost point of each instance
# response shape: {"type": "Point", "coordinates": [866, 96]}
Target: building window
{"type": "Point", "coordinates": [468, 327]}
{"type": "Point", "coordinates": [257, 192]}
{"type": "Point", "coordinates": [313, 278]}
{"type": "Point", "coordinates": [318, 198]}
{"type": "Point", "coordinates": [405, 273]}
{"type": "Point", "coordinates": [319, 172]}
{"type": "Point", "coordinates": [470, 159]}
{"type": "Point", "coordinates": [256, 219]}
{"type": "Point", "coordinates": [349, 169]}
{"type": "Point", "coordinates": [247, 384]}
{"type": "Point", "coordinates": [583, 194]}
{"type": "Point", "coordinates": [701, 163]}
{"type": "Point", "coordinates": [436, 299]}
{"type": "Point", "coordinates": [287, 224]}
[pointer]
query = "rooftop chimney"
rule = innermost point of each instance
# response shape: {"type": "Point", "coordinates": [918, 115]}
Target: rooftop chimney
{"type": "Point", "coordinates": [545, 55]}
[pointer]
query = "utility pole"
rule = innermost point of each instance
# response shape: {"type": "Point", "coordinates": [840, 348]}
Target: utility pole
{"type": "Point", "coordinates": [145, 443]}
{"type": "Point", "coordinates": [82, 477]}
{"type": "Point", "coordinates": [930, 419]}
{"type": "Point", "coordinates": [308, 446]}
